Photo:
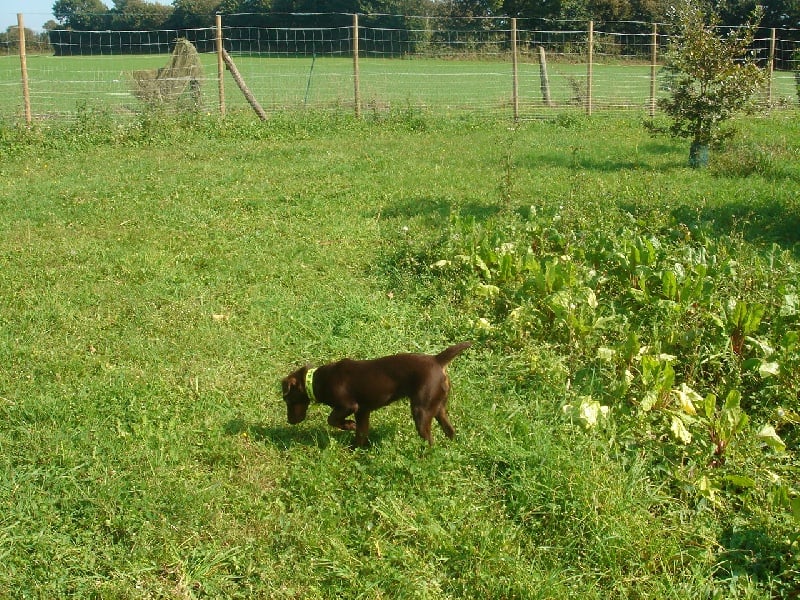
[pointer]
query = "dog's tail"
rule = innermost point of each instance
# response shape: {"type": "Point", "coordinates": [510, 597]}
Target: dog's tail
{"type": "Point", "coordinates": [445, 356]}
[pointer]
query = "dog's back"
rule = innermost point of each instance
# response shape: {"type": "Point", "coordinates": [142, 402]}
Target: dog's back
{"type": "Point", "coordinates": [380, 381]}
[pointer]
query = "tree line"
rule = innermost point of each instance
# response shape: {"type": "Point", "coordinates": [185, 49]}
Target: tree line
{"type": "Point", "coordinates": [34, 42]}
{"type": "Point", "coordinates": [137, 15]}
{"type": "Point", "coordinates": [188, 16]}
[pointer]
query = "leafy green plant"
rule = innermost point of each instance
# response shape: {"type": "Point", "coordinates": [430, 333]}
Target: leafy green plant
{"type": "Point", "coordinates": [742, 320]}
{"type": "Point", "coordinates": [708, 78]}
{"type": "Point", "coordinates": [643, 320]}
{"type": "Point", "coordinates": [723, 424]}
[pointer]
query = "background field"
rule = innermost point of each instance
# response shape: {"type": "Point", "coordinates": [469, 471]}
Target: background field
{"type": "Point", "coordinates": [159, 277]}
{"type": "Point", "coordinates": [60, 86]}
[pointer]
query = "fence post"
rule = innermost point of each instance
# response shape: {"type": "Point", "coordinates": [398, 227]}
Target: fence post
{"type": "Point", "coordinates": [544, 80]}
{"type": "Point", "coordinates": [356, 74]}
{"type": "Point", "coordinates": [771, 68]}
{"type": "Point", "coordinates": [514, 69]}
{"type": "Point", "coordinates": [653, 69]}
{"type": "Point", "coordinates": [220, 66]}
{"type": "Point", "coordinates": [589, 70]}
{"type": "Point", "coordinates": [237, 77]}
{"type": "Point", "coordinates": [23, 61]}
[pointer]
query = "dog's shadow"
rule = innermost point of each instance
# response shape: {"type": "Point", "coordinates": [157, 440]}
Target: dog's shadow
{"type": "Point", "coordinates": [285, 437]}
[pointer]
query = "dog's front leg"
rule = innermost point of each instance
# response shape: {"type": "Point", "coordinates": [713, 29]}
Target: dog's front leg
{"type": "Point", "coordinates": [338, 419]}
{"type": "Point", "coordinates": [362, 428]}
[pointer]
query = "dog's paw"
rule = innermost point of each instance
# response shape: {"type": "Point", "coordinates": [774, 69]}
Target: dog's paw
{"type": "Point", "coordinates": [348, 425]}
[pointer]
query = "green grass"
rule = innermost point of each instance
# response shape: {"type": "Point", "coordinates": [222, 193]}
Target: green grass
{"type": "Point", "coordinates": [159, 278]}
{"type": "Point", "coordinates": [63, 84]}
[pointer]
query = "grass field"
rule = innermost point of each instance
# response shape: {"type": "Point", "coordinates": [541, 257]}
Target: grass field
{"type": "Point", "coordinates": [158, 278]}
{"type": "Point", "coordinates": [61, 85]}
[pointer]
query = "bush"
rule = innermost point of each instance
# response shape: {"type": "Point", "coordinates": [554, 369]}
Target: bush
{"type": "Point", "coordinates": [708, 78]}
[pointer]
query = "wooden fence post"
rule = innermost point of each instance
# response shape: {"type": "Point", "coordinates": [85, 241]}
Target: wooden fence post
{"type": "Point", "coordinates": [544, 80]}
{"type": "Point", "coordinates": [237, 77]}
{"type": "Point", "coordinates": [771, 69]}
{"type": "Point", "coordinates": [590, 70]}
{"type": "Point", "coordinates": [23, 61]}
{"type": "Point", "coordinates": [653, 69]}
{"type": "Point", "coordinates": [220, 66]}
{"type": "Point", "coordinates": [356, 74]}
{"type": "Point", "coordinates": [514, 70]}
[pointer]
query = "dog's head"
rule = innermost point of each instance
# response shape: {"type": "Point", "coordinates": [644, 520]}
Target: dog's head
{"type": "Point", "coordinates": [295, 395]}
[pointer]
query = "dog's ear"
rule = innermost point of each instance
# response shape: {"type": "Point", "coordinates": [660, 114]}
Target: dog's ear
{"type": "Point", "coordinates": [288, 384]}
{"type": "Point", "coordinates": [295, 380]}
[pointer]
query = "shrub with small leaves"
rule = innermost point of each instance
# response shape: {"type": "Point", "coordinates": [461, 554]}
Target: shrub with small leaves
{"type": "Point", "coordinates": [709, 78]}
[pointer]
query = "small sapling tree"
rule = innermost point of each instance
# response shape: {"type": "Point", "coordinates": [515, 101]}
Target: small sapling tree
{"type": "Point", "coordinates": [709, 78]}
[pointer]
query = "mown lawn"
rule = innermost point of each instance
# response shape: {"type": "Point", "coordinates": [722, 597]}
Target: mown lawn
{"type": "Point", "coordinates": [158, 278]}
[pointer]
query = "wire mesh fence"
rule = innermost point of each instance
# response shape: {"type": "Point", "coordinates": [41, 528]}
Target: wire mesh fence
{"type": "Point", "coordinates": [524, 68]}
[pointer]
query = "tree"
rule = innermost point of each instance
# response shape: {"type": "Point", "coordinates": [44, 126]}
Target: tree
{"type": "Point", "coordinates": [777, 13]}
{"type": "Point", "coordinates": [709, 78]}
{"type": "Point", "coordinates": [245, 6]}
{"type": "Point", "coordinates": [138, 15]}
{"type": "Point", "coordinates": [82, 14]}
{"type": "Point", "coordinates": [189, 14]}
{"type": "Point", "coordinates": [626, 10]}
{"type": "Point", "coordinates": [246, 13]}
{"type": "Point", "coordinates": [600, 10]}
{"type": "Point", "coordinates": [33, 41]}
{"type": "Point", "coordinates": [537, 9]}
{"type": "Point", "coordinates": [476, 8]}
{"type": "Point", "coordinates": [468, 14]}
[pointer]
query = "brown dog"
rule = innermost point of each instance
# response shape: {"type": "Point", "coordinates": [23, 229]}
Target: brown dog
{"type": "Point", "coordinates": [357, 387]}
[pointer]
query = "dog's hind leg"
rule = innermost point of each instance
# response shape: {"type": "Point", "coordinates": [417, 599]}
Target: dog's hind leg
{"type": "Point", "coordinates": [444, 422]}
{"type": "Point", "coordinates": [422, 419]}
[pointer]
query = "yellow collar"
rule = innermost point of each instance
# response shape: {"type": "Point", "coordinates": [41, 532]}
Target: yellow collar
{"type": "Point", "coordinates": [310, 385]}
